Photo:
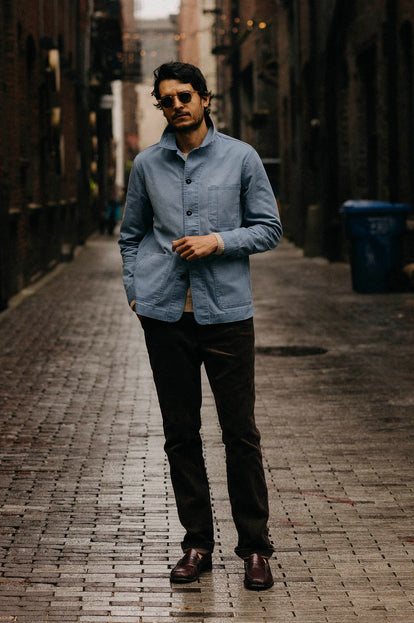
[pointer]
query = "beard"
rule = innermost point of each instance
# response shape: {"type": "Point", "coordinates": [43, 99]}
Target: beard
{"type": "Point", "coordinates": [187, 128]}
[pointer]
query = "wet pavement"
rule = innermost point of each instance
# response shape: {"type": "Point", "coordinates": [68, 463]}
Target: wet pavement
{"type": "Point", "coordinates": [88, 527]}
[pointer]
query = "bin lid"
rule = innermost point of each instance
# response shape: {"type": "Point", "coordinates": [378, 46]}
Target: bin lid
{"type": "Point", "coordinates": [364, 206]}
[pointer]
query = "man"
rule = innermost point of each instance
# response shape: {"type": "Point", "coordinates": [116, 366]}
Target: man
{"type": "Point", "coordinates": [198, 204]}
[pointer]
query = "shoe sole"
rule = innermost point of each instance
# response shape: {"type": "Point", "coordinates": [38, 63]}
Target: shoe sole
{"type": "Point", "coordinates": [183, 580]}
{"type": "Point", "coordinates": [257, 587]}
{"type": "Point", "coordinates": [187, 580]}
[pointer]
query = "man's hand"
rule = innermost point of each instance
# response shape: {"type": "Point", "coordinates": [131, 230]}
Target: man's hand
{"type": "Point", "coordinates": [193, 247]}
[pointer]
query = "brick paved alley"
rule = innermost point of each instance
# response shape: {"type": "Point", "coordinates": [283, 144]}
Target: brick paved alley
{"type": "Point", "coordinates": [88, 529]}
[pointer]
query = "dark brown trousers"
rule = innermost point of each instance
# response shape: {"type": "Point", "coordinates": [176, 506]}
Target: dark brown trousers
{"type": "Point", "coordinates": [176, 351]}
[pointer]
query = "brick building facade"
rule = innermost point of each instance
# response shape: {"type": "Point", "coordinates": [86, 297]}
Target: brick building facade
{"type": "Point", "coordinates": [326, 89]}
{"type": "Point", "coordinates": [56, 59]}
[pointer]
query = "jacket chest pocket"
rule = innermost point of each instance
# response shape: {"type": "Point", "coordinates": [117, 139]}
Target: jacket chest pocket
{"type": "Point", "coordinates": [224, 206]}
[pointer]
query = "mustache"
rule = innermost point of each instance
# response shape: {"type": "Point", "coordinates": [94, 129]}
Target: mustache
{"type": "Point", "coordinates": [182, 114]}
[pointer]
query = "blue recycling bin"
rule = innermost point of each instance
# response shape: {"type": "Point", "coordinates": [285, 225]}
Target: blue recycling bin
{"type": "Point", "coordinates": [375, 230]}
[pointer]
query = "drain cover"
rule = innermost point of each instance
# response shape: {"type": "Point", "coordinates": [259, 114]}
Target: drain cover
{"type": "Point", "coordinates": [290, 351]}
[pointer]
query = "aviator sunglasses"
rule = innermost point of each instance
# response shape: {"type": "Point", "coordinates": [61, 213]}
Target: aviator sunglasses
{"type": "Point", "coordinates": [184, 96]}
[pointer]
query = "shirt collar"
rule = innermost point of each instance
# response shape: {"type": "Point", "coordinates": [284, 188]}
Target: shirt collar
{"type": "Point", "coordinates": [168, 137]}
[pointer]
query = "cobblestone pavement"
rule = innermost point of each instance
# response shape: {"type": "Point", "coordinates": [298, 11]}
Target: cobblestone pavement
{"type": "Point", "coordinates": [88, 528]}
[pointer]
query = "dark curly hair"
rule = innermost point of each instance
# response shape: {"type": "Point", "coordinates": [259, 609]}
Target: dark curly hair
{"type": "Point", "coordinates": [183, 72]}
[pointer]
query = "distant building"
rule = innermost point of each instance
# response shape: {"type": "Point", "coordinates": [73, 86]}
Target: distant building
{"type": "Point", "coordinates": [195, 34]}
{"type": "Point", "coordinates": [158, 42]}
{"type": "Point", "coordinates": [132, 75]}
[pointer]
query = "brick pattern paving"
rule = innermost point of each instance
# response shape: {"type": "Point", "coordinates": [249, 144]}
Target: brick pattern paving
{"type": "Point", "coordinates": [88, 528]}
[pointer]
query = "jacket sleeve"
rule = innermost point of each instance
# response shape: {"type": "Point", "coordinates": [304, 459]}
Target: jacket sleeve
{"type": "Point", "coordinates": [261, 228]}
{"type": "Point", "coordinates": [136, 222]}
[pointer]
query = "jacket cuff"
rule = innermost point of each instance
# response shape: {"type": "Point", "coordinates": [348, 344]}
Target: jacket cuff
{"type": "Point", "coordinates": [231, 242]}
{"type": "Point", "coordinates": [220, 244]}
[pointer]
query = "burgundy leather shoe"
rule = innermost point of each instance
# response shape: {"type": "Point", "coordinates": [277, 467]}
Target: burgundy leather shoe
{"type": "Point", "coordinates": [257, 576]}
{"type": "Point", "coordinates": [189, 567]}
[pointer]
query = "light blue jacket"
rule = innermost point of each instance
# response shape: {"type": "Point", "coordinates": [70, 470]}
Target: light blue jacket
{"type": "Point", "coordinates": [220, 187]}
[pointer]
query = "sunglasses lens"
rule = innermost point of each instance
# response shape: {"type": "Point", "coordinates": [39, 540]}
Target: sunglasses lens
{"type": "Point", "coordinates": [167, 101]}
{"type": "Point", "coordinates": [184, 97]}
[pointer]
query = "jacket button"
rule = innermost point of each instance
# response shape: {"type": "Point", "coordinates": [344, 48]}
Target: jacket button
{"type": "Point", "coordinates": [188, 180]}
{"type": "Point", "coordinates": [182, 277]}
{"type": "Point", "coordinates": [189, 212]}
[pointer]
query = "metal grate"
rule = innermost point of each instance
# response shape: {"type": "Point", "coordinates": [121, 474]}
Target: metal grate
{"type": "Point", "coordinates": [290, 351]}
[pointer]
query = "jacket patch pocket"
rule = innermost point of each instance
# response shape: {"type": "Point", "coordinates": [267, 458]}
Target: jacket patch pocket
{"type": "Point", "coordinates": [232, 282]}
{"type": "Point", "coordinates": [152, 276]}
{"type": "Point", "coordinates": [224, 206]}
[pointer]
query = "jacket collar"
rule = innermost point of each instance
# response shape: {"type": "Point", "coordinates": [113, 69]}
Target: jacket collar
{"type": "Point", "coordinates": [167, 140]}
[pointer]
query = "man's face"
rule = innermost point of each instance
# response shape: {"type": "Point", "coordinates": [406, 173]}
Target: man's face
{"type": "Point", "coordinates": [183, 117]}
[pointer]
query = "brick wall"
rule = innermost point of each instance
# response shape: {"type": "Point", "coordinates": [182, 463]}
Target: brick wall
{"type": "Point", "coordinates": [44, 193]}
